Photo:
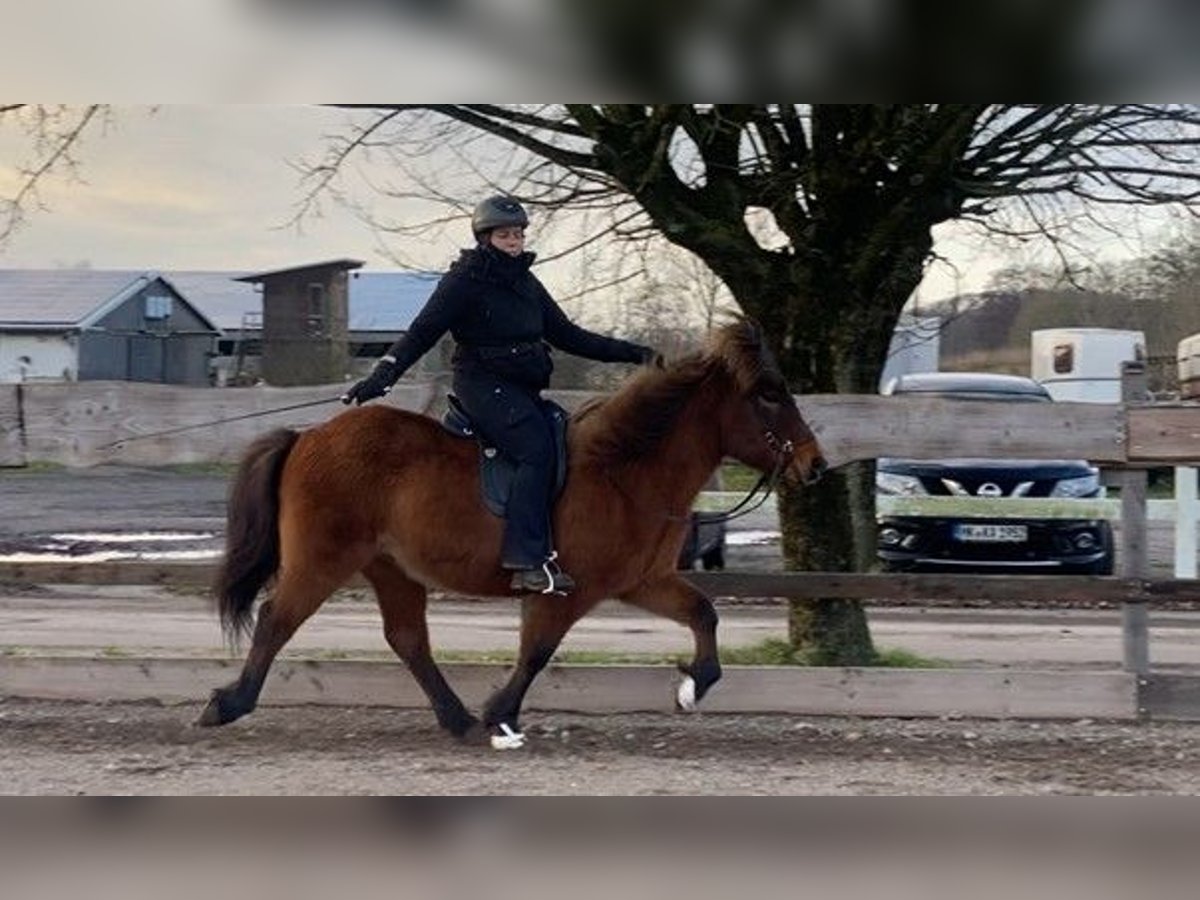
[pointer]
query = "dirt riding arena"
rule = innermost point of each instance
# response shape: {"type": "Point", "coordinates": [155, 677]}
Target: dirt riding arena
{"type": "Point", "coordinates": [70, 748]}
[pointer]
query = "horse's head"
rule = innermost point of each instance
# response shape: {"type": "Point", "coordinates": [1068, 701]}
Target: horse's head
{"type": "Point", "coordinates": [761, 425]}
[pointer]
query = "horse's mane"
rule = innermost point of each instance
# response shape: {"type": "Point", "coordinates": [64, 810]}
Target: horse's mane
{"type": "Point", "coordinates": [632, 422]}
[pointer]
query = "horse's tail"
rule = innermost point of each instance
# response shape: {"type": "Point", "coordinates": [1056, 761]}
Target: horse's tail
{"type": "Point", "coordinates": [252, 530]}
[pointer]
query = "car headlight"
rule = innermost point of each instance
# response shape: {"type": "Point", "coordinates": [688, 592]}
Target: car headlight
{"type": "Point", "coordinates": [900, 485]}
{"type": "Point", "coordinates": [1084, 486]}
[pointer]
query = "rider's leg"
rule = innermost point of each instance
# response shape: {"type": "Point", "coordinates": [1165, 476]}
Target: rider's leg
{"type": "Point", "coordinates": [512, 419]}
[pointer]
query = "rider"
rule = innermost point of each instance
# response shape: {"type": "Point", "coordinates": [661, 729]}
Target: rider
{"type": "Point", "coordinates": [502, 319]}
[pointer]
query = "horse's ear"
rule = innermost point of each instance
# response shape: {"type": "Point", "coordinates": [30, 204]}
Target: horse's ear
{"type": "Point", "coordinates": [752, 339]}
{"type": "Point", "coordinates": [759, 347]}
{"type": "Point", "coordinates": [754, 334]}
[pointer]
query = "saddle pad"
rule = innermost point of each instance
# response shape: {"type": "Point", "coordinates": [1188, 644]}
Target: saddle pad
{"type": "Point", "coordinates": [496, 470]}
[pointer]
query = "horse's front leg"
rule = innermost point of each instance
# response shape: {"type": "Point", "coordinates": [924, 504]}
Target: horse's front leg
{"type": "Point", "coordinates": [676, 599]}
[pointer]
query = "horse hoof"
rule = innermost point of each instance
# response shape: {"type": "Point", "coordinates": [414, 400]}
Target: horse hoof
{"type": "Point", "coordinates": [211, 717]}
{"type": "Point", "coordinates": [685, 695]}
{"type": "Point", "coordinates": [508, 739]}
{"type": "Point", "coordinates": [222, 709]}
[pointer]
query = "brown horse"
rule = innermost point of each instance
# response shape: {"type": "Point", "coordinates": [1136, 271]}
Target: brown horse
{"type": "Point", "coordinates": [391, 494]}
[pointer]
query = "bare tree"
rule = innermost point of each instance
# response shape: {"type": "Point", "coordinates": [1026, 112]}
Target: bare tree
{"type": "Point", "coordinates": [849, 194]}
{"type": "Point", "coordinates": [55, 135]}
{"type": "Point", "coordinates": [706, 295]}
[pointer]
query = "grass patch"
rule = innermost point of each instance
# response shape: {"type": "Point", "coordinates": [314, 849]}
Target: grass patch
{"type": "Point", "coordinates": [770, 652]}
{"type": "Point", "coordinates": [895, 658]}
{"type": "Point", "coordinates": [737, 477]}
{"type": "Point", "coordinates": [199, 468]}
{"type": "Point", "coordinates": [33, 467]}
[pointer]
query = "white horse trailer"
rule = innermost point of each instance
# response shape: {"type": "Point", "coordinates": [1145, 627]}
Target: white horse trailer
{"type": "Point", "coordinates": [1083, 365]}
{"type": "Point", "coordinates": [1188, 357]}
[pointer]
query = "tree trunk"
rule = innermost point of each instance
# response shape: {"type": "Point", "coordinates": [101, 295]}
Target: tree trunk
{"type": "Point", "coordinates": [830, 526]}
{"type": "Point", "coordinates": [818, 535]}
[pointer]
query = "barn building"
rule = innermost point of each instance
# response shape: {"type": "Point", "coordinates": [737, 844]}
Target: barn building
{"type": "Point", "coordinates": [86, 324]}
{"type": "Point", "coordinates": [305, 319]}
{"type": "Point", "coordinates": [46, 317]}
{"type": "Point", "coordinates": [381, 307]}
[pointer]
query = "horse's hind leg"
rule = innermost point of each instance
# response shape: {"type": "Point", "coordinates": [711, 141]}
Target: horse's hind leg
{"type": "Point", "coordinates": [679, 601]}
{"type": "Point", "coordinates": [544, 622]}
{"type": "Point", "coordinates": [296, 597]}
{"type": "Point", "coordinates": [402, 602]}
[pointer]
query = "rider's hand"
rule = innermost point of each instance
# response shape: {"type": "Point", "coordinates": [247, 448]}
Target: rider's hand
{"type": "Point", "coordinates": [378, 383]}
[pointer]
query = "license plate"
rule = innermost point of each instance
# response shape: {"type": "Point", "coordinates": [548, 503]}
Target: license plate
{"type": "Point", "coordinates": [991, 534]}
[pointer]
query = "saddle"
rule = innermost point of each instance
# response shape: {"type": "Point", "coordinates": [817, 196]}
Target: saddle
{"type": "Point", "coordinates": [496, 470]}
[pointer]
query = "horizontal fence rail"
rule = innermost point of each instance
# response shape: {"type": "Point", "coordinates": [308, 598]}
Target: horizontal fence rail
{"type": "Point", "coordinates": [82, 423]}
{"type": "Point", "coordinates": [985, 693]}
{"type": "Point", "coordinates": [1018, 508]}
{"type": "Point", "coordinates": [761, 586]}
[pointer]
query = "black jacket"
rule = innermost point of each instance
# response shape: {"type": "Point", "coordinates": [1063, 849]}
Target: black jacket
{"type": "Point", "coordinates": [501, 318]}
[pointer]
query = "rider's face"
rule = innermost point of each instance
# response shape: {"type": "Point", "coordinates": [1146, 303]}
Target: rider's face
{"type": "Point", "coordinates": [510, 239]}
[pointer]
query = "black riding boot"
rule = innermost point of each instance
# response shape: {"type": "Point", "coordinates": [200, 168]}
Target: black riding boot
{"type": "Point", "coordinates": [547, 579]}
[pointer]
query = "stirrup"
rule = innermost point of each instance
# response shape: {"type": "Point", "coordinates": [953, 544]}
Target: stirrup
{"type": "Point", "coordinates": [549, 579]}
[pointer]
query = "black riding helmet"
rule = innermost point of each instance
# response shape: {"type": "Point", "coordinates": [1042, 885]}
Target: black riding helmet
{"type": "Point", "coordinates": [497, 212]}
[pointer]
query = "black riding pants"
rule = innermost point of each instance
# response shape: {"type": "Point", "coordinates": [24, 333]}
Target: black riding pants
{"type": "Point", "coordinates": [512, 419]}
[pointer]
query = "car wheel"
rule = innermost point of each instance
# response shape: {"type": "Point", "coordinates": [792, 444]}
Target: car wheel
{"type": "Point", "coordinates": [713, 559]}
{"type": "Point", "coordinates": [1105, 566]}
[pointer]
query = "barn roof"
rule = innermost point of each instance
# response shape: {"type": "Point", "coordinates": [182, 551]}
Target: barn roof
{"type": "Point", "coordinates": [223, 299]}
{"type": "Point", "coordinates": [62, 299]}
{"type": "Point", "coordinates": [388, 301]}
{"type": "Point", "coordinates": [340, 264]}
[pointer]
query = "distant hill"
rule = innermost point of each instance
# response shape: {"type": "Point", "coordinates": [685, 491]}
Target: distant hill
{"type": "Point", "coordinates": [990, 332]}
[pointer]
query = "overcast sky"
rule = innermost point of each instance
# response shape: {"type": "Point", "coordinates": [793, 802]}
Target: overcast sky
{"type": "Point", "coordinates": [187, 187]}
{"type": "Point", "coordinates": [210, 187]}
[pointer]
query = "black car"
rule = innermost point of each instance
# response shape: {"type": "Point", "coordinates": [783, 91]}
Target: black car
{"type": "Point", "coordinates": [705, 542]}
{"type": "Point", "coordinates": [946, 543]}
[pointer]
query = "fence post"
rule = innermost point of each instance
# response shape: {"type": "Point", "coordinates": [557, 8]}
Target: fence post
{"type": "Point", "coordinates": [1134, 559]}
{"type": "Point", "coordinates": [1187, 506]}
{"type": "Point", "coordinates": [12, 425]}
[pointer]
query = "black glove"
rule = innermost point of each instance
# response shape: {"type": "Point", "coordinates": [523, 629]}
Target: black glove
{"type": "Point", "coordinates": [651, 357]}
{"type": "Point", "coordinates": [378, 383]}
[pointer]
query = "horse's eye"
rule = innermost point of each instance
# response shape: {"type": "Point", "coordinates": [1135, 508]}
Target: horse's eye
{"type": "Point", "coordinates": [767, 406]}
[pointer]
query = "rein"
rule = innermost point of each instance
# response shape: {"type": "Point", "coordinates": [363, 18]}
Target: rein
{"type": "Point", "coordinates": [253, 415]}
{"type": "Point", "coordinates": [770, 479]}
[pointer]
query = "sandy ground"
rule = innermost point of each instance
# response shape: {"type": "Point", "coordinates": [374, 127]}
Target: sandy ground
{"type": "Point", "coordinates": [65, 748]}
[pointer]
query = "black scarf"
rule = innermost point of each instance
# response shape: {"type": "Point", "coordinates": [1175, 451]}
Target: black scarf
{"type": "Point", "coordinates": [487, 263]}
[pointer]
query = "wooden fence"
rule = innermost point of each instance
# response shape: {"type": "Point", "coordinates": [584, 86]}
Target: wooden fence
{"type": "Point", "coordinates": [82, 424]}
{"type": "Point", "coordinates": [986, 693]}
